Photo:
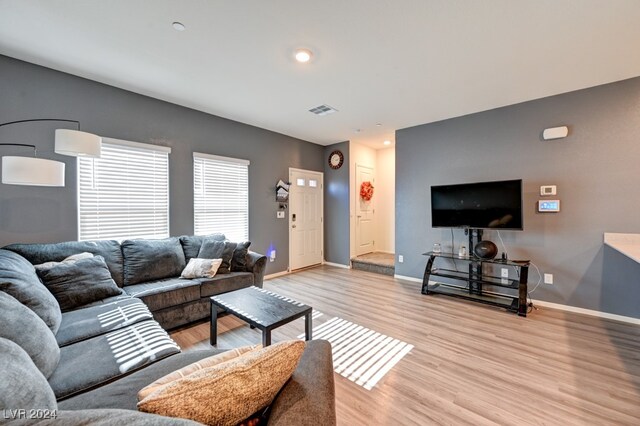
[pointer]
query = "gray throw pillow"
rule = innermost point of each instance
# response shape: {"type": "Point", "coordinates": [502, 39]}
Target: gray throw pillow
{"type": "Point", "coordinates": [18, 278]}
{"type": "Point", "coordinates": [79, 283]}
{"type": "Point", "coordinates": [39, 342]}
{"type": "Point", "coordinates": [191, 243]}
{"type": "Point", "coordinates": [212, 249]}
{"type": "Point", "coordinates": [239, 259]}
{"type": "Point", "coordinates": [150, 260]}
{"type": "Point", "coordinates": [22, 386]}
{"type": "Point", "coordinates": [69, 259]}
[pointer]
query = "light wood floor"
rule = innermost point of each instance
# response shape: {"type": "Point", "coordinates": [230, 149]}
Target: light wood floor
{"type": "Point", "coordinates": [471, 364]}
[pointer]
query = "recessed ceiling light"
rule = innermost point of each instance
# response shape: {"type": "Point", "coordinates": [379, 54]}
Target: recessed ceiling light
{"type": "Point", "coordinates": [303, 55]}
{"type": "Point", "coordinates": [378, 124]}
{"type": "Point", "coordinates": [387, 142]}
{"type": "Point", "coordinates": [178, 26]}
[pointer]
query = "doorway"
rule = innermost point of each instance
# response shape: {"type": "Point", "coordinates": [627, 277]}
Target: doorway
{"type": "Point", "coordinates": [306, 234]}
{"type": "Point", "coordinates": [365, 213]}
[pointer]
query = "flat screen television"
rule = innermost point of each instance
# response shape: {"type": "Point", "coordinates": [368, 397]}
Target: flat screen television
{"type": "Point", "coordinates": [482, 205]}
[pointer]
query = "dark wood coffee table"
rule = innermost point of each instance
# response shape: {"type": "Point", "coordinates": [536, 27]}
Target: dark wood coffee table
{"type": "Point", "coordinates": [260, 308]}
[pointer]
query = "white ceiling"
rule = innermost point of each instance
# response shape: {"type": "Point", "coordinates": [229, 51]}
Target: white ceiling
{"type": "Point", "coordinates": [398, 63]}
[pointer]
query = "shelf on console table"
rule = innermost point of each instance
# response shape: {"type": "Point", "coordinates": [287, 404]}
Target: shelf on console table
{"type": "Point", "coordinates": [476, 281]}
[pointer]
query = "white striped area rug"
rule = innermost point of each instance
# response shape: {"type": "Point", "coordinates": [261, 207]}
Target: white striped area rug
{"type": "Point", "coordinates": [361, 355]}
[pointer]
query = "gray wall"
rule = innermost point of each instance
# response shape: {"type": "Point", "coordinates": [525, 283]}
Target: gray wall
{"type": "Point", "coordinates": [336, 207]}
{"type": "Point", "coordinates": [36, 214]}
{"type": "Point", "coordinates": [596, 170]}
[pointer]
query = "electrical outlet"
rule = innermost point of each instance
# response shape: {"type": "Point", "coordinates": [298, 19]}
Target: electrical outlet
{"type": "Point", "coordinates": [272, 257]}
{"type": "Point", "coordinates": [548, 279]}
{"type": "Point", "coordinates": [400, 258]}
{"type": "Point", "coordinates": [280, 214]}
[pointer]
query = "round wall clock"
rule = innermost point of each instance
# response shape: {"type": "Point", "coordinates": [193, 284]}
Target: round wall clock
{"type": "Point", "coordinates": [336, 159]}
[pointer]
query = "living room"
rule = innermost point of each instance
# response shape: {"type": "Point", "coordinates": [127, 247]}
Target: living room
{"type": "Point", "coordinates": [462, 92]}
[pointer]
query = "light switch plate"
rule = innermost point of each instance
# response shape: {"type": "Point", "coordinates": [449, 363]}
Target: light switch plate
{"type": "Point", "coordinates": [548, 190]}
{"type": "Point", "coordinates": [280, 214]}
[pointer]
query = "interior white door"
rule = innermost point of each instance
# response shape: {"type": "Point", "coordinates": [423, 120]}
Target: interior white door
{"type": "Point", "coordinates": [305, 218]}
{"type": "Point", "coordinates": [365, 213]}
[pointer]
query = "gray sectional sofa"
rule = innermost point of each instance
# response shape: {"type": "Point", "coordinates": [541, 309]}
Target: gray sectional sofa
{"type": "Point", "coordinates": [89, 362]}
{"type": "Point", "coordinates": [150, 270]}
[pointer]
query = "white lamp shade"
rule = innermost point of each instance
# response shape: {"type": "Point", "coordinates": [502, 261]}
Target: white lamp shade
{"type": "Point", "coordinates": [32, 171]}
{"type": "Point", "coordinates": [77, 143]}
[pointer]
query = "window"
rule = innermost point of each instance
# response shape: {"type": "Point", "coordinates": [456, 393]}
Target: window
{"type": "Point", "coordinates": [125, 193]}
{"type": "Point", "coordinates": [221, 196]}
{"type": "Point", "coordinates": [300, 182]}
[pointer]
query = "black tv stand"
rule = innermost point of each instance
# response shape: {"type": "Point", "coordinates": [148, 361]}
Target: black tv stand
{"type": "Point", "coordinates": [472, 285]}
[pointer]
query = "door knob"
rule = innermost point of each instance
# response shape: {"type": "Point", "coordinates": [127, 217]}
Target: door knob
{"type": "Point", "coordinates": [359, 216]}
{"type": "Point", "coordinates": [293, 226]}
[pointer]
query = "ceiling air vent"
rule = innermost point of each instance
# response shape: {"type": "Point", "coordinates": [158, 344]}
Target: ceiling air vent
{"type": "Point", "coordinates": [323, 110]}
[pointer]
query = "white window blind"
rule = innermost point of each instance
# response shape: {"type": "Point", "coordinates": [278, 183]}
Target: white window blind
{"type": "Point", "coordinates": [125, 193]}
{"type": "Point", "coordinates": [221, 196]}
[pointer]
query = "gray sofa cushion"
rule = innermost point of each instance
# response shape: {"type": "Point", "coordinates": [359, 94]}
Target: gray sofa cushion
{"type": "Point", "coordinates": [22, 386]}
{"type": "Point", "coordinates": [109, 418]}
{"type": "Point", "coordinates": [186, 313]}
{"type": "Point", "coordinates": [224, 283]}
{"type": "Point", "coordinates": [93, 321]}
{"type": "Point", "coordinates": [56, 252]}
{"type": "Point", "coordinates": [38, 341]}
{"type": "Point", "coordinates": [165, 293]}
{"type": "Point", "coordinates": [106, 301]}
{"type": "Point", "coordinates": [191, 243]}
{"type": "Point", "coordinates": [93, 362]}
{"type": "Point", "coordinates": [123, 393]}
{"type": "Point", "coordinates": [239, 259]}
{"type": "Point", "coordinates": [212, 249]}
{"type": "Point", "coordinates": [310, 393]}
{"type": "Point", "coordinates": [148, 260]}
{"type": "Point", "coordinates": [78, 283]}
{"type": "Point", "coordinates": [18, 278]}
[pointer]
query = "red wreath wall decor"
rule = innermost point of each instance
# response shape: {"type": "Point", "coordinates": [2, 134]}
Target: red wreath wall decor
{"type": "Point", "coordinates": [366, 191]}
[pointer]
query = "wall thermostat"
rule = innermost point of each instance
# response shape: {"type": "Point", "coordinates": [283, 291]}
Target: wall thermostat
{"type": "Point", "coordinates": [548, 190]}
{"type": "Point", "coordinates": [548, 206]}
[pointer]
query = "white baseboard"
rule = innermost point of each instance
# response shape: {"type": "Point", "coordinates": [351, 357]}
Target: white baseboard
{"type": "Point", "coordinates": [403, 277]}
{"type": "Point", "coordinates": [567, 308]}
{"type": "Point", "coordinates": [276, 275]}
{"type": "Point", "coordinates": [337, 265]}
{"type": "Point", "coordinates": [590, 312]}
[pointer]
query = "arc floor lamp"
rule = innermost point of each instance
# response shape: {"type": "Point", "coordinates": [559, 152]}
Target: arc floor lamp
{"type": "Point", "coordinates": [42, 172]}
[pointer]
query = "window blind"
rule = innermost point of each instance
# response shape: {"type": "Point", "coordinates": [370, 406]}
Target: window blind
{"type": "Point", "coordinates": [221, 196]}
{"type": "Point", "coordinates": [125, 193]}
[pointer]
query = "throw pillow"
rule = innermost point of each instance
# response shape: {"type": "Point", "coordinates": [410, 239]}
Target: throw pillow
{"type": "Point", "coordinates": [229, 392]}
{"type": "Point", "coordinates": [39, 343]}
{"type": "Point", "coordinates": [80, 283]}
{"type": "Point", "coordinates": [239, 259]}
{"type": "Point", "coordinates": [71, 259]}
{"type": "Point", "coordinates": [191, 243]}
{"type": "Point", "coordinates": [23, 385]}
{"type": "Point", "coordinates": [201, 268]}
{"type": "Point", "coordinates": [212, 249]}
{"type": "Point", "coordinates": [192, 368]}
{"type": "Point", "coordinates": [18, 278]}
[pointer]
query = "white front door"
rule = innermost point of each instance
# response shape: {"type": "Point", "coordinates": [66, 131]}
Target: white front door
{"type": "Point", "coordinates": [305, 218]}
{"type": "Point", "coordinates": [365, 227]}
